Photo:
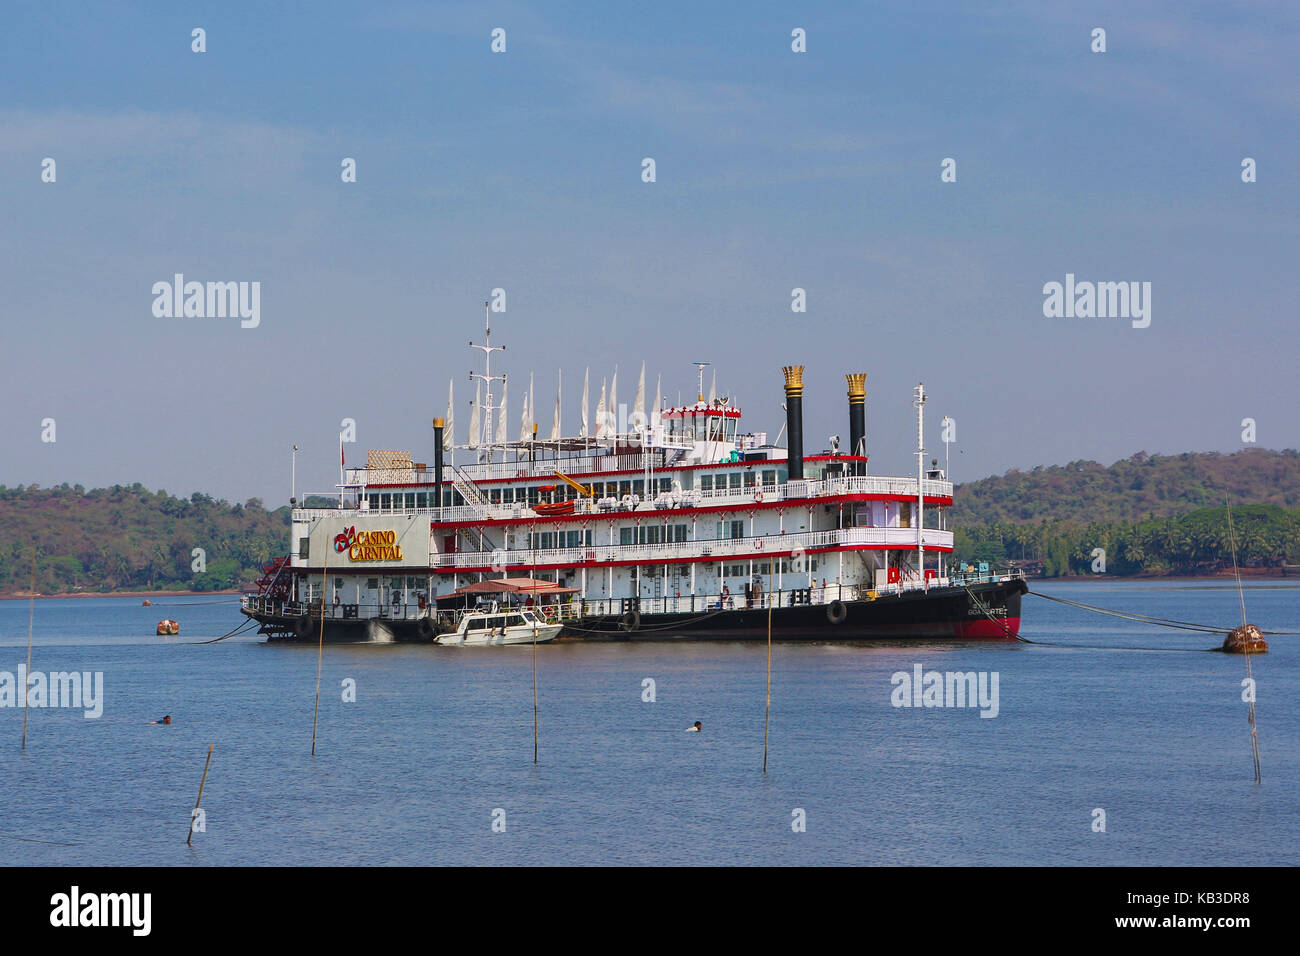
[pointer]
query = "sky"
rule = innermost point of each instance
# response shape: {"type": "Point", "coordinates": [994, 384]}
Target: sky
{"type": "Point", "coordinates": [522, 170]}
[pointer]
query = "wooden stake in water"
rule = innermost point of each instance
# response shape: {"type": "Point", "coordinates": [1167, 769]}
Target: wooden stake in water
{"type": "Point", "coordinates": [536, 608]}
{"type": "Point", "coordinates": [1241, 596]}
{"type": "Point", "coordinates": [27, 676]}
{"type": "Point", "coordinates": [202, 780]}
{"type": "Point", "coordinates": [767, 715]}
{"type": "Point", "coordinates": [320, 647]}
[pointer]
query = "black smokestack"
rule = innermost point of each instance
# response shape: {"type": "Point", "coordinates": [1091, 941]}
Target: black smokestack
{"type": "Point", "coordinates": [794, 420]}
{"type": "Point", "coordinates": [437, 461]}
{"type": "Point", "coordinates": [857, 420]}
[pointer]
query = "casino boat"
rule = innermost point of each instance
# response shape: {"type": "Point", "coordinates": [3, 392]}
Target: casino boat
{"type": "Point", "coordinates": [665, 522]}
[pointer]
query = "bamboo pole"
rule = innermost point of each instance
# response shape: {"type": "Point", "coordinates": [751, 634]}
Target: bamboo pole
{"type": "Point", "coordinates": [767, 715]}
{"type": "Point", "coordinates": [320, 647]}
{"type": "Point", "coordinates": [27, 676]}
{"type": "Point", "coordinates": [1241, 595]}
{"type": "Point", "coordinates": [202, 780]}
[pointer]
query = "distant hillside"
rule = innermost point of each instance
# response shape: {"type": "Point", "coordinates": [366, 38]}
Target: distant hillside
{"type": "Point", "coordinates": [129, 538]}
{"type": "Point", "coordinates": [1134, 489]}
{"type": "Point", "coordinates": [1150, 514]}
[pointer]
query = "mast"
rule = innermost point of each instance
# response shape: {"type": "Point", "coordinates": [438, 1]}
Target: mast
{"type": "Point", "coordinates": [488, 377]}
{"type": "Point", "coordinates": [920, 474]}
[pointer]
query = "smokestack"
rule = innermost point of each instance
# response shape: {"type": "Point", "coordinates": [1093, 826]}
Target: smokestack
{"type": "Point", "coordinates": [794, 420]}
{"type": "Point", "coordinates": [438, 424]}
{"type": "Point", "coordinates": [857, 420]}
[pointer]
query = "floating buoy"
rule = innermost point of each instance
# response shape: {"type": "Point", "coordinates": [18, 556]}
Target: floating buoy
{"type": "Point", "coordinates": [168, 627]}
{"type": "Point", "coordinates": [146, 603]}
{"type": "Point", "coordinates": [1247, 639]}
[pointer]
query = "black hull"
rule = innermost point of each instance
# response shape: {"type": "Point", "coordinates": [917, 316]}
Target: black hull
{"type": "Point", "coordinates": [941, 613]}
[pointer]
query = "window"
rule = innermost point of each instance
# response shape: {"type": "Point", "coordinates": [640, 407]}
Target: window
{"type": "Point", "coordinates": [374, 500]}
{"type": "Point", "coordinates": [386, 501]}
{"type": "Point", "coordinates": [735, 481]}
{"type": "Point", "coordinates": [737, 529]}
{"type": "Point", "coordinates": [706, 482]}
{"type": "Point", "coordinates": [304, 548]}
{"type": "Point", "coordinates": [638, 488]}
{"type": "Point", "coordinates": [749, 479]}
{"type": "Point", "coordinates": [769, 477]}
{"type": "Point", "coordinates": [410, 500]}
{"type": "Point", "coordinates": [679, 532]}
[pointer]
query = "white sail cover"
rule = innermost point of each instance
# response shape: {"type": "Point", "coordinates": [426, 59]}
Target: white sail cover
{"type": "Point", "coordinates": [475, 419]}
{"type": "Point", "coordinates": [638, 404]}
{"type": "Point", "coordinates": [555, 422]}
{"type": "Point", "coordinates": [612, 411]}
{"type": "Point", "coordinates": [449, 426]}
{"type": "Point", "coordinates": [585, 425]}
{"type": "Point", "coordinates": [524, 431]}
{"type": "Point", "coordinates": [602, 428]}
{"type": "Point", "coordinates": [501, 422]}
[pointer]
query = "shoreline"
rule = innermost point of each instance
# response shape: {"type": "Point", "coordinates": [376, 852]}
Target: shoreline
{"type": "Point", "coordinates": [27, 595]}
{"type": "Point", "coordinates": [1246, 574]}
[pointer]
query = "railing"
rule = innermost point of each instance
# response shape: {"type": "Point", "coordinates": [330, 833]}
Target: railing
{"type": "Point", "coordinates": [716, 548]}
{"type": "Point", "coordinates": [855, 485]}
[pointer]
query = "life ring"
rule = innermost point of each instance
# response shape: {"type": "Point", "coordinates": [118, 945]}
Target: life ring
{"type": "Point", "coordinates": [302, 626]}
{"type": "Point", "coordinates": [758, 498]}
{"type": "Point", "coordinates": [548, 611]}
{"type": "Point", "coordinates": [424, 627]}
{"type": "Point", "coordinates": [630, 621]}
{"type": "Point", "coordinates": [836, 612]}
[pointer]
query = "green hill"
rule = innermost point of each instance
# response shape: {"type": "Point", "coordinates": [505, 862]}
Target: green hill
{"type": "Point", "coordinates": [129, 538]}
{"type": "Point", "coordinates": [1150, 514]}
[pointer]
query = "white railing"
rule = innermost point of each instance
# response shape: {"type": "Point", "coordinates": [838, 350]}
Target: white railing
{"type": "Point", "coordinates": [716, 548]}
{"type": "Point", "coordinates": [795, 490]}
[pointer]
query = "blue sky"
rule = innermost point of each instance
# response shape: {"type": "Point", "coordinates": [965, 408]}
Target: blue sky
{"type": "Point", "coordinates": [522, 170]}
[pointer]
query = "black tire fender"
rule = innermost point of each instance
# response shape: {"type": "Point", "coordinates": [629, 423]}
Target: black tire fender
{"type": "Point", "coordinates": [630, 621]}
{"type": "Point", "coordinates": [836, 612]}
{"type": "Point", "coordinates": [424, 627]}
{"type": "Point", "coordinates": [302, 626]}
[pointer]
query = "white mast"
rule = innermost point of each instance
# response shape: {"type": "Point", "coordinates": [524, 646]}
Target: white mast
{"type": "Point", "coordinates": [488, 377]}
{"type": "Point", "coordinates": [920, 474]}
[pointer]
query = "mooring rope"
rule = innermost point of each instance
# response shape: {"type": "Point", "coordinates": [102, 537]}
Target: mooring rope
{"type": "Point", "coordinates": [247, 623]}
{"type": "Point", "coordinates": [1145, 618]}
{"type": "Point", "coordinates": [1099, 647]}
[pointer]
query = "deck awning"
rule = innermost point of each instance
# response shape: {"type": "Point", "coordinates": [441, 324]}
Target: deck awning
{"type": "Point", "coordinates": [530, 586]}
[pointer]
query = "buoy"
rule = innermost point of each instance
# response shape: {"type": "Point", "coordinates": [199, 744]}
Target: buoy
{"type": "Point", "coordinates": [1247, 639]}
{"type": "Point", "coordinates": [147, 603]}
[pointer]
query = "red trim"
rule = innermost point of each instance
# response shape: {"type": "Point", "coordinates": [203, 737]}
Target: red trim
{"type": "Point", "coordinates": [1005, 628]}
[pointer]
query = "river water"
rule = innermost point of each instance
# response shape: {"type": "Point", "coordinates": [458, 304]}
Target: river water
{"type": "Point", "coordinates": [432, 763]}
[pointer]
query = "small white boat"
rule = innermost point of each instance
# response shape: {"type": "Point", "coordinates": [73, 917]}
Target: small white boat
{"type": "Point", "coordinates": [483, 627]}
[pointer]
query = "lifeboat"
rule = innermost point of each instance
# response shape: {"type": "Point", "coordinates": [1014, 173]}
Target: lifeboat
{"type": "Point", "coordinates": [555, 508]}
{"type": "Point", "coordinates": [167, 627]}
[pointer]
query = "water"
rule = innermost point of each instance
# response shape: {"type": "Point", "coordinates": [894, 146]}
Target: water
{"type": "Point", "coordinates": [441, 737]}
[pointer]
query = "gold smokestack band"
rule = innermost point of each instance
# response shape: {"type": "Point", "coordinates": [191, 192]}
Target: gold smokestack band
{"type": "Point", "coordinates": [438, 423]}
{"type": "Point", "coordinates": [857, 387]}
{"type": "Point", "coordinates": [793, 379]}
